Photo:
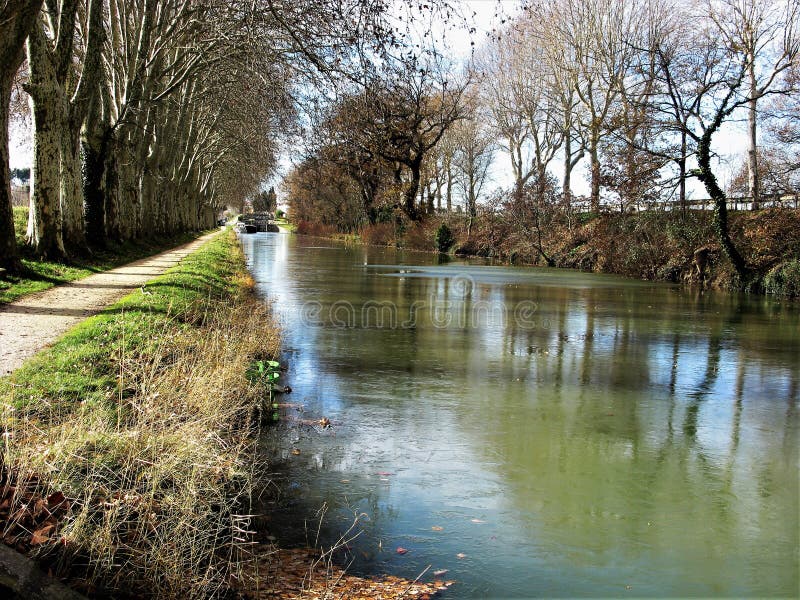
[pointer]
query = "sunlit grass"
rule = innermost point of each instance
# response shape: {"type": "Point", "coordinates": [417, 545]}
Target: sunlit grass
{"type": "Point", "coordinates": [43, 274]}
{"type": "Point", "coordinates": [141, 418]}
{"type": "Point", "coordinates": [285, 224]}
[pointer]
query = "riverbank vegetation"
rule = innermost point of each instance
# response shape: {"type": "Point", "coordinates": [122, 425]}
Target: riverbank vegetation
{"type": "Point", "coordinates": [35, 275]}
{"type": "Point", "coordinates": [659, 246]}
{"type": "Point", "coordinates": [128, 458]}
{"type": "Point", "coordinates": [635, 95]}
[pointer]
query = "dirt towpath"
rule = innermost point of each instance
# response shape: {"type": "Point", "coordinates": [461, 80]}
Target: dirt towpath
{"type": "Point", "coordinates": [33, 322]}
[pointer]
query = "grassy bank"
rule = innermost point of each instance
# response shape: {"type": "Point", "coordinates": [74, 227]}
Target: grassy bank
{"type": "Point", "coordinates": [128, 459]}
{"type": "Point", "coordinates": [40, 275]}
{"type": "Point", "coordinates": [284, 224]}
{"type": "Point", "coordinates": [658, 246]}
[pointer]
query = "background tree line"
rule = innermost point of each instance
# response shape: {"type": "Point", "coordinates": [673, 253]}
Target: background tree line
{"type": "Point", "coordinates": [149, 116]}
{"type": "Point", "coordinates": [638, 90]}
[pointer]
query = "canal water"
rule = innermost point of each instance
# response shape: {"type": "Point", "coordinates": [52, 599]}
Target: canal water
{"type": "Point", "coordinates": [533, 432]}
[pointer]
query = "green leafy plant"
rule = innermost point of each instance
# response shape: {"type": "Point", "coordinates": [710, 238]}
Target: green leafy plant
{"type": "Point", "coordinates": [784, 279]}
{"type": "Point", "coordinates": [266, 372]}
{"type": "Point", "coordinates": [444, 238]}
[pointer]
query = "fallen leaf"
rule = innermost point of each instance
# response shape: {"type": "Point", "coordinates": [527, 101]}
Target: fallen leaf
{"type": "Point", "coordinates": [55, 499]}
{"type": "Point", "coordinates": [439, 573]}
{"type": "Point", "coordinates": [461, 555]}
{"type": "Point", "coordinates": [384, 473]}
{"type": "Point", "coordinates": [39, 507]}
{"type": "Point", "coordinates": [437, 528]}
{"type": "Point", "coordinates": [401, 550]}
{"type": "Point", "coordinates": [477, 521]}
{"type": "Point", "coordinates": [40, 536]}
{"type": "Point", "coordinates": [295, 451]}
{"type": "Point", "coordinates": [443, 585]}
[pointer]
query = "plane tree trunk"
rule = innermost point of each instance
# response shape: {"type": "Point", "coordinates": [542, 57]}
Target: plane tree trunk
{"type": "Point", "coordinates": [16, 21]}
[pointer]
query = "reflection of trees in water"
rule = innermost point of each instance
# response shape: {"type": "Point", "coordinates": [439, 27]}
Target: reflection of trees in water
{"type": "Point", "coordinates": [589, 443]}
{"type": "Point", "coordinates": [570, 462]}
{"type": "Point", "coordinates": [588, 338]}
{"type": "Point", "coordinates": [705, 386]}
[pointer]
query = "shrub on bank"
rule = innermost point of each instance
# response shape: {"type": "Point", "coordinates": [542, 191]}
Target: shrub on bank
{"type": "Point", "coordinates": [129, 456]}
{"type": "Point", "coordinates": [419, 236]}
{"type": "Point", "coordinates": [444, 238]}
{"type": "Point", "coordinates": [784, 279]}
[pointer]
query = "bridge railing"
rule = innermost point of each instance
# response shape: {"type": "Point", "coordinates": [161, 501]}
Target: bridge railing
{"type": "Point", "coordinates": [744, 203]}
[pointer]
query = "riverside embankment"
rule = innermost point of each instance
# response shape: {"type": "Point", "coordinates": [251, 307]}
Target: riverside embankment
{"type": "Point", "coordinates": [670, 246]}
{"type": "Point", "coordinates": [128, 457]}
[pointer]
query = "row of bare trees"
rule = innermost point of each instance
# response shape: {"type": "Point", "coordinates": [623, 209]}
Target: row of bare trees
{"type": "Point", "coordinates": [150, 115]}
{"type": "Point", "coordinates": [633, 87]}
{"type": "Point", "coordinates": [638, 90]}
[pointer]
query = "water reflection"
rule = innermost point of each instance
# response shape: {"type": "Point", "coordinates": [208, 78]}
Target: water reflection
{"type": "Point", "coordinates": [624, 435]}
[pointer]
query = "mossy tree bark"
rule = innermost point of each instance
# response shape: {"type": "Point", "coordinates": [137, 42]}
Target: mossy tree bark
{"type": "Point", "coordinates": [77, 108]}
{"type": "Point", "coordinates": [706, 175]}
{"type": "Point", "coordinates": [45, 233]}
{"type": "Point", "coordinates": [8, 242]}
{"type": "Point", "coordinates": [410, 195]}
{"type": "Point", "coordinates": [594, 168]}
{"type": "Point", "coordinates": [56, 217]}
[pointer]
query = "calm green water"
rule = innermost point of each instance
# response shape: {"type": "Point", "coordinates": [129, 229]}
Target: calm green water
{"type": "Point", "coordinates": [571, 434]}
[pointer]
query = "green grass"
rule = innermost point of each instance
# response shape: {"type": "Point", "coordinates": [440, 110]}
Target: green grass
{"type": "Point", "coordinates": [40, 275]}
{"type": "Point", "coordinates": [784, 279]}
{"type": "Point", "coordinates": [139, 416]}
{"type": "Point", "coordinates": [84, 363]}
{"type": "Point", "coordinates": [283, 223]}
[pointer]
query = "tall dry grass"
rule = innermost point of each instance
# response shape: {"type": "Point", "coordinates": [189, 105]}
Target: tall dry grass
{"type": "Point", "coordinates": [154, 480]}
{"type": "Point", "coordinates": [316, 229]}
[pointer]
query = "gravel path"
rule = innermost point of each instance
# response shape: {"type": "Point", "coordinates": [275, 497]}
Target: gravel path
{"type": "Point", "coordinates": [38, 320]}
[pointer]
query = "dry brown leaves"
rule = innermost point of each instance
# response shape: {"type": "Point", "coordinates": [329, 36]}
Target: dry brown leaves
{"type": "Point", "coordinates": [28, 519]}
{"type": "Point", "coordinates": [302, 573]}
